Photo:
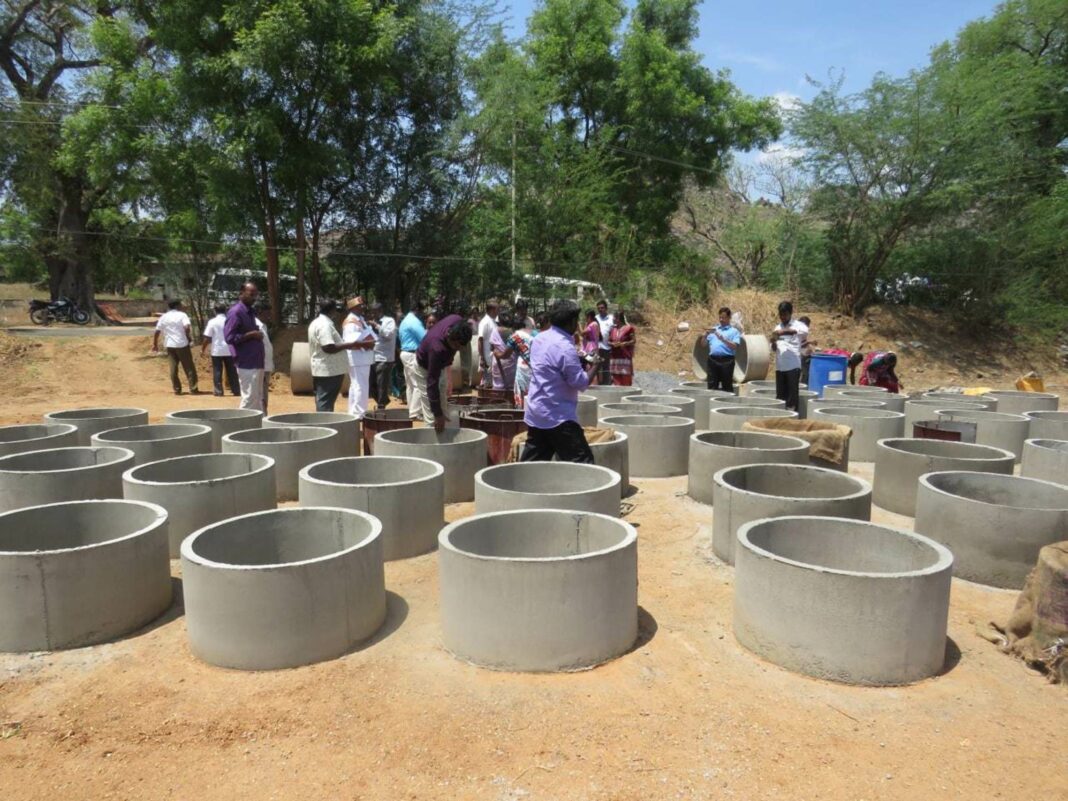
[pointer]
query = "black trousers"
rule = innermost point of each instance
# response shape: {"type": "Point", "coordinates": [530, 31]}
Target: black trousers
{"type": "Point", "coordinates": [721, 373]}
{"type": "Point", "coordinates": [787, 386]}
{"type": "Point", "coordinates": [381, 381]}
{"type": "Point", "coordinates": [566, 442]}
{"type": "Point", "coordinates": [604, 373]}
{"type": "Point", "coordinates": [327, 388]}
{"type": "Point", "coordinates": [219, 365]}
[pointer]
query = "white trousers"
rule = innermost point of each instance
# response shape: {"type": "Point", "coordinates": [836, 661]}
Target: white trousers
{"type": "Point", "coordinates": [412, 386]}
{"type": "Point", "coordinates": [359, 389]}
{"type": "Point", "coordinates": [424, 410]}
{"type": "Point", "coordinates": [251, 383]}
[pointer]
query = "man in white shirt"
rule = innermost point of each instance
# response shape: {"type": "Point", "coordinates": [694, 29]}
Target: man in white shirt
{"type": "Point", "coordinates": [326, 351]}
{"type": "Point", "coordinates": [221, 358]}
{"type": "Point", "coordinates": [788, 339]}
{"type": "Point", "coordinates": [486, 327]}
{"type": "Point", "coordinates": [605, 322]}
{"type": "Point", "coordinates": [358, 333]}
{"type": "Point", "coordinates": [385, 328]}
{"type": "Point", "coordinates": [175, 327]}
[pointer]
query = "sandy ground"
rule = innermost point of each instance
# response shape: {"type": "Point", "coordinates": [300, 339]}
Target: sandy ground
{"type": "Point", "coordinates": [687, 714]}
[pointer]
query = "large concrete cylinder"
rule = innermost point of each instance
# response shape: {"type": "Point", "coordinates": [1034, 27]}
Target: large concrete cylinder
{"type": "Point", "coordinates": [713, 451]}
{"type": "Point", "coordinates": [538, 590]}
{"type": "Point", "coordinates": [1047, 425]}
{"type": "Point", "coordinates": [1046, 459]}
{"type": "Point", "coordinates": [587, 411]}
{"type": "Point", "coordinates": [461, 451]}
{"type": "Point", "coordinates": [545, 485]}
{"type": "Point", "coordinates": [610, 394]}
{"type": "Point", "coordinates": [842, 599]}
{"type": "Point", "coordinates": [869, 426]}
{"type": "Point", "coordinates": [835, 390]}
{"type": "Point", "coordinates": [220, 421]}
{"type": "Point", "coordinates": [659, 446]}
{"type": "Point", "coordinates": [758, 387]}
{"type": "Point", "coordinates": [686, 406]}
{"type": "Point", "coordinates": [283, 588]}
{"type": "Point", "coordinates": [154, 442]}
{"type": "Point", "coordinates": [36, 437]}
{"type": "Point", "coordinates": [406, 495]}
{"type": "Point", "coordinates": [842, 403]}
{"type": "Point", "coordinates": [994, 525]}
{"type": "Point", "coordinates": [899, 463]}
{"type": "Point", "coordinates": [203, 489]}
{"type": "Point", "coordinates": [700, 398]}
{"type": "Point", "coordinates": [752, 359]}
{"type": "Point", "coordinates": [1014, 402]}
{"type": "Point", "coordinates": [750, 492]}
{"type": "Point", "coordinates": [803, 398]}
{"type": "Point", "coordinates": [293, 448]}
{"type": "Point", "coordinates": [890, 400]}
{"type": "Point", "coordinates": [749, 400]}
{"type": "Point", "coordinates": [732, 418]}
{"type": "Point", "coordinates": [79, 573]}
{"type": "Point", "coordinates": [93, 421]}
{"type": "Point", "coordinates": [989, 404]}
{"type": "Point", "coordinates": [615, 455]}
{"type": "Point", "coordinates": [996, 429]}
{"type": "Point", "coordinates": [920, 411]}
{"type": "Point", "coordinates": [35, 478]}
{"type": "Point", "coordinates": [347, 427]}
{"type": "Point", "coordinates": [630, 408]}
{"type": "Point", "coordinates": [379, 420]}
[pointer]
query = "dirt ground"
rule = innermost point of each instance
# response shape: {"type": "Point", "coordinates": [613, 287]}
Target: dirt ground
{"type": "Point", "coordinates": [688, 714]}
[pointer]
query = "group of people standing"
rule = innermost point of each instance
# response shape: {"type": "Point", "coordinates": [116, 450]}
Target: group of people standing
{"type": "Point", "coordinates": [793, 351]}
{"type": "Point", "coordinates": [241, 350]}
{"type": "Point", "coordinates": [613, 339]}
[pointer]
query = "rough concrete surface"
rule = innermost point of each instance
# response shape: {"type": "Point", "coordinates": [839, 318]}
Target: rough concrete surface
{"type": "Point", "coordinates": [93, 421]}
{"type": "Point", "coordinates": [751, 492]}
{"type": "Point", "coordinates": [292, 447]}
{"type": "Point", "coordinates": [996, 429]}
{"type": "Point", "coordinates": [150, 443]}
{"type": "Point", "coordinates": [36, 437]}
{"type": "Point", "coordinates": [1015, 402]}
{"type": "Point", "coordinates": [899, 463]}
{"type": "Point", "coordinates": [347, 427]}
{"type": "Point", "coordinates": [220, 421]}
{"type": "Point", "coordinates": [538, 590]}
{"type": "Point", "coordinates": [712, 451]}
{"type": "Point", "coordinates": [1047, 425]}
{"type": "Point", "coordinates": [869, 426]}
{"type": "Point", "coordinates": [461, 451]}
{"type": "Point", "coordinates": [405, 494]}
{"type": "Point", "coordinates": [995, 525]}
{"type": "Point", "coordinates": [732, 418]}
{"type": "Point", "coordinates": [842, 599]}
{"type": "Point", "coordinates": [35, 478]}
{"type": "Point", "coordinates": [1046, 459]}
{"type": "Point", "coordinates": [658, 446]}
{"type": "Point", "coordinates": [203, 489]}
{"type": "Point", "coordinates": [283, 588]}
{"type": "Point", "coordinates": [73, 574]}
{"type": "Point", "coordinates": [547, 485]}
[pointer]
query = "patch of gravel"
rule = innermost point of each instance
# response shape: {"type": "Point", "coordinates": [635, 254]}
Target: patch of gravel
{"type": "Point", "coordinates": [656, 383]}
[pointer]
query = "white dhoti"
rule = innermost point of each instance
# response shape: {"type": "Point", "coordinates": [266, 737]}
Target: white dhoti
{"type": "Point", "coordinates": [251, 383]}
{"type": "Point", "coordinates": [359, 389]}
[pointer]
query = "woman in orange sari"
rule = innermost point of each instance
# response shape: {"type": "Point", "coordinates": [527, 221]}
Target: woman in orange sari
{"type": "Point", "coordinates": [623, 339]}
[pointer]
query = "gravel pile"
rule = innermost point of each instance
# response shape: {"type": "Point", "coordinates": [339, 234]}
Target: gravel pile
{"type": "Point", "coordinates": [656, 383]}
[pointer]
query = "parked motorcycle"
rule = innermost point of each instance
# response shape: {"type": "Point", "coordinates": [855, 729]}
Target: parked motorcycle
{"type": "Point", "coordinates": [64, 310]}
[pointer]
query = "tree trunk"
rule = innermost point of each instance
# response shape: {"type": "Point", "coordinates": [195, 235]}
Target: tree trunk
{"type": "Point", "coordinates": [316, 277]}
{"type": "Point", "coordinates": [302, 315]}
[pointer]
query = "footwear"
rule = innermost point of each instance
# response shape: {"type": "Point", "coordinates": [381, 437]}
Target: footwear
{"type": "Point", "coordinates": [217, 394]}
{"type": "Point", "coordinates": [177, 392]}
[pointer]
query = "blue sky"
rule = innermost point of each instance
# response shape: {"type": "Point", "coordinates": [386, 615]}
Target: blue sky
{"type": "Point", "coordinates": [770, 45]}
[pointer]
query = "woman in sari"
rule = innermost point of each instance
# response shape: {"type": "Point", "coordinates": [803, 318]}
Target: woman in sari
{"type": "Point", "coordinates": [622, 338]}
{"type": "Point", "coordinates": [519, 343]}
{"type": "Point", "coordinates": [878, 371]}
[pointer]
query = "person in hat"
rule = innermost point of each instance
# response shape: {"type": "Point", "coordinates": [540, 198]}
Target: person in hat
{"type": "Point", "coordinates": [358, 333]}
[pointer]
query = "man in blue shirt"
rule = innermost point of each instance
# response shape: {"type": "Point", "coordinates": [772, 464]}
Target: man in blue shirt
{"type": "Point", "coordinates": [410, 334]}
{"type": "Point", "coordinates": [722, 342]}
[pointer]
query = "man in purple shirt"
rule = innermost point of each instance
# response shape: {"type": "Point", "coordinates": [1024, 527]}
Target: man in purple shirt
{"type": "Point", "coordinates": [433, 357]}
{"type": "Point", "coordinates": [557, 376]}
{"type": "Point", "coordinates": [246, 343]}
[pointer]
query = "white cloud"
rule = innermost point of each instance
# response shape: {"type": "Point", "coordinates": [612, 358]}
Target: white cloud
{"type": "Point", "coordinates": [757, 60]}
{"type": "Point", "coordinates": [779, 153]}
{"type": "Point", "coordinates": [787, 101]}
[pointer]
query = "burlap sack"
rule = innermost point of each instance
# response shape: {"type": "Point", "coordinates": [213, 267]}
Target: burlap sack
{"type": "Point", "coordinates": [827, 441]}
{"type": "Point", "coordinates": [1037, 631]}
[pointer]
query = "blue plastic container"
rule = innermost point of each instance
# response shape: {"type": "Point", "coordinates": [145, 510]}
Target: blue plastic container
{"type": "Point", "coordinates": [826, 369]}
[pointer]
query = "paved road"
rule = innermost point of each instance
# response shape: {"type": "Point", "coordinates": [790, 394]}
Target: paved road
{"type": "Point", "coordinates": [80, 330]}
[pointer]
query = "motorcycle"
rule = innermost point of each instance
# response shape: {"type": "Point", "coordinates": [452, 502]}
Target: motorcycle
{"type": "Point", "coordinates": [64, 310]}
